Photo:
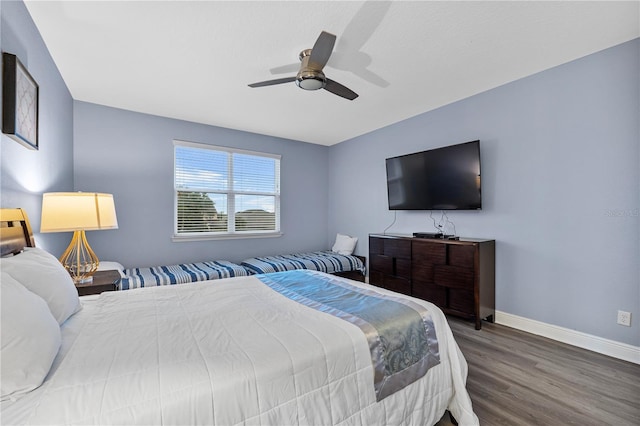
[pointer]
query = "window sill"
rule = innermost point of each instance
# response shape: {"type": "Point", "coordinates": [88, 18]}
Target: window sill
{"type": "Point", "coordinates": [183, 238]}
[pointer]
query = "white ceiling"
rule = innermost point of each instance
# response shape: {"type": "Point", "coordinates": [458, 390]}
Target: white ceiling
{"type": "Point", "coordinates": [193, 60]}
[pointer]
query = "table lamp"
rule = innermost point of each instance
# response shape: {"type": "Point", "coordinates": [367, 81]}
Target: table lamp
{"type": "Point", "coordinates": [78, 212]}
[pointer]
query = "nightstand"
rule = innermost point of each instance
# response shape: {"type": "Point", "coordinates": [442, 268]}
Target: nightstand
{"type": "Point", "coordinates": [102, 281]}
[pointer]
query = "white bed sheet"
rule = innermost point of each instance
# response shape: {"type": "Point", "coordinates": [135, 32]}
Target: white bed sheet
{"type": "Point", "coordinates": [227, 352]}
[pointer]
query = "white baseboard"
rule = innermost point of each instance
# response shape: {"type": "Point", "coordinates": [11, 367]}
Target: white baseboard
{"type": "Point", "coordinates": [608, 347]}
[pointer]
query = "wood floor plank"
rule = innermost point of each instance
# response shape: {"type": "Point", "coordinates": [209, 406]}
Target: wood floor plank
{"type": "Point", "coordinates": [517, 378]}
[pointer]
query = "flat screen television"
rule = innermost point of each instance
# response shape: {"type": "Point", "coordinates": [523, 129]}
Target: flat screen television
{"type": "Point", "coordinates": [445, 178]}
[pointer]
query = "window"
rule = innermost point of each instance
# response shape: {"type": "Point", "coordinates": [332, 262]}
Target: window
{"type": "Point", "coordinates": [225, 193]}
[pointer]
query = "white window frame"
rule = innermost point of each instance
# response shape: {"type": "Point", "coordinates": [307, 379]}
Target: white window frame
{"type": "Point", "coordinates": [231, 193]}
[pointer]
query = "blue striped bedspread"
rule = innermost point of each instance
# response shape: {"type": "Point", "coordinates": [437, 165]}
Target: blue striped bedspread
{"type": "Point", "coordinates": [179, 274]}
{"type": "Point", "coordinates": [323, 261]}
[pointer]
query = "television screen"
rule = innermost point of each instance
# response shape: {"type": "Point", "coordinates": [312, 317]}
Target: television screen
{"type": "Point", "coordinates": [445, 178]}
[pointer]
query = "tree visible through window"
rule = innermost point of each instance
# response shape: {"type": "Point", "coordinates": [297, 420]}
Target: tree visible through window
{"type": "Point", "coordinates": [222, 191]}
{"type": "Point", "coordinates": [197, 213]}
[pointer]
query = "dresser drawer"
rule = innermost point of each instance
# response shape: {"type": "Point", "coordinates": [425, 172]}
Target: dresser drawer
{"type": "Point", "coordinates": [431, 293]}
{"type": "Point", "coordinates": [376, 245]}
{"type": "Point", "coordinates": [453, 276]}
{"type": "Point", "coordinates": [461, 300]}
{"type": "Point", "coordinates": [461, 255]}
{"type": "Point", "coordinates": [429, 252]}
{"type": "Point", "coordinates": [397, 248]}
{"type": "Point", "coordinates": [403, 268]}
{"type": "Point", "coordinates": [399, 285]}
{"type": "Point", "coordinates": [381, 263]}
{"type": "Point", "coordinates": [422, 272]}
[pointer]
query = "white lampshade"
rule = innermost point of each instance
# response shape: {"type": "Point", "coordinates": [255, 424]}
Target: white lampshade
{"type": "Point", "coordinates": [78, 212]}
{"type": "Point", "coordinates": [73, 211]}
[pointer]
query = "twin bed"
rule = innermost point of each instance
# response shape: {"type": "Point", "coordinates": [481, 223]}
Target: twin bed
{"type": "Point", "coordinates": [283, 348]}
{"type": "Point", "coordinates": [348, 266]}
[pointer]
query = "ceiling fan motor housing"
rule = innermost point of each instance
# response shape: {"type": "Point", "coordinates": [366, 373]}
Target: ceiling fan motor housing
{"type": "Point", "coordinates": [309, 78]}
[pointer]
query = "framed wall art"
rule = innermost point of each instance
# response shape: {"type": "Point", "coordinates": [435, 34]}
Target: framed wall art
{"type": "Point", "coordinates": [19, 102]}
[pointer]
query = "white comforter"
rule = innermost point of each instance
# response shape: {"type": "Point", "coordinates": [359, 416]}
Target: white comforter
{"type": "Point", "coordinates": [228, 352]}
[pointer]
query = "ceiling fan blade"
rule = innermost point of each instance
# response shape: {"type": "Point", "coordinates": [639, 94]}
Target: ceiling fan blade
{"type": "Point", "coordinates": [321, 51]}
{"type": "Point", "coordinates": [340, 90]}
{"type": "Point", "coordinates": [273, 82]}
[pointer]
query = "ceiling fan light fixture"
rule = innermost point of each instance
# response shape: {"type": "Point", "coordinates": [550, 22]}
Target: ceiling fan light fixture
{"type": "Point", "coordinates": [311, 81]}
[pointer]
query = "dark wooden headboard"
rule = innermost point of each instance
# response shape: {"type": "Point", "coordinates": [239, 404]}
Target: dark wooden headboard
{"type": "Point", "coordinates": [15, 231]}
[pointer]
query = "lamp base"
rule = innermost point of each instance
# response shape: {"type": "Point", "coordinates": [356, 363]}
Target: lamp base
{"type": "Point", "coordinates": [79, 259]}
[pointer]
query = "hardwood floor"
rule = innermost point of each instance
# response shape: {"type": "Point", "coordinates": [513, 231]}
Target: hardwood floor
{"type": "Point", "coordinates": [517, 378]}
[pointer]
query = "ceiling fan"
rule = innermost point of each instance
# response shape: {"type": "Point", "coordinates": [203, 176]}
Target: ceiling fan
{"type": "Point", "coordinates": [310, 76]}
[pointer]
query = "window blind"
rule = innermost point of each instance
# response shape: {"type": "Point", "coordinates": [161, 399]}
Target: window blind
{"type": "Point", "coordinates": [225, 191]}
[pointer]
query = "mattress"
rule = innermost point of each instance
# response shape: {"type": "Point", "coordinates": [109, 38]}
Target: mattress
{"type": "Point", "coordinates": [226, 353]}
{"type": "Point", "coordinates": [179, 274]}
{"type": "Point", "coordinates": [323, 261]}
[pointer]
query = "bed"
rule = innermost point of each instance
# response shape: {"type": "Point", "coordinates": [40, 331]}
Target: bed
{"type": "Point", "coordinates": [261, 349]}
{"type": "Point", "coordinates": [348, 266]}
{"type": "Point", "coordinates": [179, 274]}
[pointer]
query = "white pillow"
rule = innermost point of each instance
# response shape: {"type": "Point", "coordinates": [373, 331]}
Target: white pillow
{"type": "Point", "coordinates": [30, 338]}
{"type": "Point", "coordinates": [42, 274]}
{"type": "Point", "coordinates": [108, 266]}
{"type": "Point", "coordinates": [344, 244]}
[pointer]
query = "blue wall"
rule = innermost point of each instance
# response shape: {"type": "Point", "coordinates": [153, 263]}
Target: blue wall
{"type": "Point", "coordinates": [130, 155]}
{"type": "Point", "coordinates": [561, 181]}
{"type": "Point", "coordinates": [561, 188]}
{"type": "Point", "coordinates": [25, 174]}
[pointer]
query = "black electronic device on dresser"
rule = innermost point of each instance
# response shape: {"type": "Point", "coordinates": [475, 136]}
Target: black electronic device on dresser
{"type": "Point", "coordinates": [458, 276]}
{"type": "Point", "coordinates": [435, 235]}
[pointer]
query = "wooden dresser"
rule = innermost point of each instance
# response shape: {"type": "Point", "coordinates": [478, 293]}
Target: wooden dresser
{"type": "Point", "coordinates": [456, 275]}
